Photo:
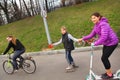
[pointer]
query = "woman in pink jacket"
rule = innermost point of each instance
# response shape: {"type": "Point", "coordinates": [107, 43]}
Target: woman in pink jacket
{"type": "Point", "coordinates": [106, 37]}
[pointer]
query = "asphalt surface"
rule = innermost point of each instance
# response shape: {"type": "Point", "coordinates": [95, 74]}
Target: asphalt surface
{"type": "Point", "coordinates": [52, 67]}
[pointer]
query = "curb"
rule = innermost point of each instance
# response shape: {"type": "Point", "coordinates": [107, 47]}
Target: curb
{"type": "Point", "coordinates": [61, 51]}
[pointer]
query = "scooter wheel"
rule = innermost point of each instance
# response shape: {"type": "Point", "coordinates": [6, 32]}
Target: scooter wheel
{"type": "Point", "coordinates": [118, 74]}
{"type": "Point", "coordinates": [88, 77]}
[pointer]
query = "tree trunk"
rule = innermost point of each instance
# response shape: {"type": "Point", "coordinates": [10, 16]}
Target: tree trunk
{"type": "Point", "coordinates": [17, 13]}
{"type": "Point", "coordinates": [21, 9]}
{"type": "Point", "coordinates": [46, 4]}
{"type": "Point", "coordinates": [20, 5]}
{"type": "Point", "coordinates": [4, 8]}
{"type": "Point", "coordinates": [37, 6]}
{"type": "Point", "coordinates": [28, 12]}
{"type": "Point", "coordinates": [1, 19]}
{"type": "Point", "coordinates": [63, 3]}
{"type": "Point", "coordinates": [78, 1]}
{"type": "Point", "coordinates": [31, 3]}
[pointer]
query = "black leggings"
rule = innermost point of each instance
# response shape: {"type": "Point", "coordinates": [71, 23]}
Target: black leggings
{"type": "Point", "coordinates": [107, 51]}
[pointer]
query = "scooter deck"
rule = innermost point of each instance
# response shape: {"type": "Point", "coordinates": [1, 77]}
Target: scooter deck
{"type": "Point", "coordinates": [114, 78]}
{"type": "Point", "coordinates": [110, 79]}
{"type": "Point", "coordinates": [70, 70]}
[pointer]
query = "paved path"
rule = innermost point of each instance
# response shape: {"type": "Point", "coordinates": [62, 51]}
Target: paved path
{"type": "Point", "coordinates": [52, 67]}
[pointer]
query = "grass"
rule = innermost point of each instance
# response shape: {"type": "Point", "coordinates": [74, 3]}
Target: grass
{"type": "Point", "coordinates": [76, 18]}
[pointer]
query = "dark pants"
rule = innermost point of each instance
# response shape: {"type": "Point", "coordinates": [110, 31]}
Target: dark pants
{"type": "Point", "coordinates": [17, 54]}
{"type": "Point", "coordinates": [107, 51]}
{"type": "Point", "coordinates": [69, 57]}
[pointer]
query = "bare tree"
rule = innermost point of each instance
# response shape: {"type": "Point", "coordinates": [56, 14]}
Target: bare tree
{"type": "Point", "coordinates": [1, 18]}
{"type": "Point", "coordinates": [28, 12]}
{"type": "Point", "coordinates": [4, 7]}
{"type": "Point", "coordinates": [63, 2]}
{"type": "Point", "coordinates": [20, 3]}
{"type": "Point", "coordinates": [22, 9]}
{"type": "Point", "coordinates": [17, 12]}
{"type": "Point", "coordinates": [46, 4]}
{"type": "Point", "coordinates": [32, 7]}
{"type": "Point", "coordinates": [37, 6]}
{"type": "Point", "coordinates": [78, 1]}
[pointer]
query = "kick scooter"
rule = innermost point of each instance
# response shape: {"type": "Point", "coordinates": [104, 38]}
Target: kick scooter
{"type": "Point", "coordinates": [93, 76]}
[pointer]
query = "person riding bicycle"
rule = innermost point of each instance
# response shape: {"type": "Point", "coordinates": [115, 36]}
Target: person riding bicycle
{"type": "Point", "coordinates": [18, 49]}
{"type": "Point", "coordinates": [106, 37]}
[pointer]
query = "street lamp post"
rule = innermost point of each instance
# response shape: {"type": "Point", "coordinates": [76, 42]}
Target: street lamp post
{"type": "Point", "coordinates": [44, 15]}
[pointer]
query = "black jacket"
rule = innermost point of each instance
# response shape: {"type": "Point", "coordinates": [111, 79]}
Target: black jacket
{"type": "Point", "coordinates": [68, 43]}
{"type": "Point", "coordinates": [18, 46]}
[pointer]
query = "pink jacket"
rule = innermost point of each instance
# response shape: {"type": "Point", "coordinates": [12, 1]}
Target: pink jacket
{"type": "Point", "coordinates": [106, 36]}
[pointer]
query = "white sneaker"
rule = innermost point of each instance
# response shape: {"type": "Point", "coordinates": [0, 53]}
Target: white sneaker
{"type": "Point", "coordinates": [69, 67]}
{"type": "Point", "coordinates": [15, 71]}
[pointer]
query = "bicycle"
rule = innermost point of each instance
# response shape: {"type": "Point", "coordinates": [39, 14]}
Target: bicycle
{"type": "Point", "coordinates": [27, 64]}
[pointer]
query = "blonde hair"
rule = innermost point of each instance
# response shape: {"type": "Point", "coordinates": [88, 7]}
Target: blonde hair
{"type": "Point", "coordinates": [13, 39]}
{"type": "Point", "coordinates": [64, 28]}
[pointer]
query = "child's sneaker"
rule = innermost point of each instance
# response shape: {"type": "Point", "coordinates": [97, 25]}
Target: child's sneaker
{"type": "Point", "coordinates": [69, 67]}
{"type": "Point", "coordinates": [16, 70]}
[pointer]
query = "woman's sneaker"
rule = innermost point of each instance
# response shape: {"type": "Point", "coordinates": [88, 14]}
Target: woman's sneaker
{"type": "Point", "coordinates": [106, 76]}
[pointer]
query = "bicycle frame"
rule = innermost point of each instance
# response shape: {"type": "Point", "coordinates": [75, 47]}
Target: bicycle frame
{"type": "Point", "coordinates": [9, 64]}
{"type": "Point", "coordinates": [9, 61]}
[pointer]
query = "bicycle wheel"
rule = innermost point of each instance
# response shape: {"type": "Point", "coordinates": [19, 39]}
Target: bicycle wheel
{"type": "Point", "coordinates": [29, 66]}
{"type": "Point", "coordinates": [8, 67]}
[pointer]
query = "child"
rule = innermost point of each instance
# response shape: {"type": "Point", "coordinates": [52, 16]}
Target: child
{"type": "Point", "coordinates": [67, 40]}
